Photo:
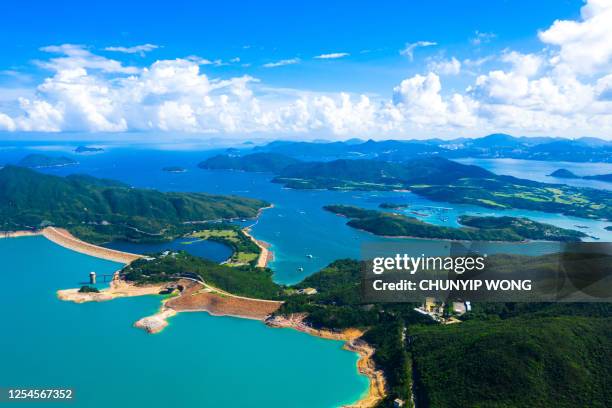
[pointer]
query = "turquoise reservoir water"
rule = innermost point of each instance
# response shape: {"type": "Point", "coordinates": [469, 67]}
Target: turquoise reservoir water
{"type": "Point", "coordinates": [199, 360]}
{"type": "Point", "coordinates": [211, 250]}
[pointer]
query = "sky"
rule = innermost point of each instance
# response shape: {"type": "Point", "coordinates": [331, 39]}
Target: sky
{"type": "Point", "coordinates": [385, 69]}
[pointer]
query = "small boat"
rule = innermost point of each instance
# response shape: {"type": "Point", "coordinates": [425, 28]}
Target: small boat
{"type": "Point", "coordinates": [300, 269]}
{"type": "Point", "coordinates": [309, 256]}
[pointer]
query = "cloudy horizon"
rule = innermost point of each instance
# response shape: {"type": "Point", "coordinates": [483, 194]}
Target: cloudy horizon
{"type": "Point", "coordinates": [557, 82]}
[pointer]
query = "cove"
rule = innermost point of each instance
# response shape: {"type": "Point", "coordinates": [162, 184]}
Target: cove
{"type": "Point", "coordinates": [199, 360]}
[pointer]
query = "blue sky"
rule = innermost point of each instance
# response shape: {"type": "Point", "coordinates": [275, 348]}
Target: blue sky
{"type": "Point", "coordinates": [384, 69]}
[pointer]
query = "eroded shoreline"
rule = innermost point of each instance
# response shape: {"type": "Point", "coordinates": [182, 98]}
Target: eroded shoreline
{"type": "Point", "coordinates": [203, 298]}
{"type": "Point", "coordinates": [197, 297]}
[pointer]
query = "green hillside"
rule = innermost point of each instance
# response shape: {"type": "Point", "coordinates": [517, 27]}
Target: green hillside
{"type": "Point", "coordinates": [101, 210]}
{"type": "Point", "coordinates": [519, 362]}
{"type": "Point", "coordinates": [477, 228]}
{"type": "Point", "coordinates": [36, 160]}
{"type": "Point", "coordinates": [256, 162]}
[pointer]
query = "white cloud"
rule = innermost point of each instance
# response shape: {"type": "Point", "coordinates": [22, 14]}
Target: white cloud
{"type": "Point", "coordinates": [78, 57]}
{"type": "Point", "coordinates": [408, 50]}
{"type": "Point", "coordinates": [281, 63]}
{"type": "Point", "coordinates": [525, 93]}
{"type": "Point", "coordinates": [445, 67]}
{"type": "Point", "coordinates": [523, 64]}
{"type": "Point", "coordinates": [421, 103]}
{"type": "Point", "coordinates": [482, 38]}
{"type": "Point", "coordinates": [136, 49]}
{"type": "Point", "coordinates": [585, 45]}
{"type": "Point", "coordinates": [6, 123]}
{"type": "Point", "coordinates": [333, 55]}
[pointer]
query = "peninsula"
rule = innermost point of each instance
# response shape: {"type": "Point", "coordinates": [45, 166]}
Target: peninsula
{"type": "Point", "coordinates": [99, 210]}
{"type": "Point", "coordinates": [438, 179]}
{"type": "Point", "coordinates": [476, 228]}
{"type": "Point", "coordinates": [37, 161]}
{"type": "Point", "coordinates": [564, 173]}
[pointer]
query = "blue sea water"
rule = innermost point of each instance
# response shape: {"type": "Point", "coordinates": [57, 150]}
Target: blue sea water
{"type": "Point", "coordinates": [297, 226]}
{"type": "Point", "coordinates": [199, 360]}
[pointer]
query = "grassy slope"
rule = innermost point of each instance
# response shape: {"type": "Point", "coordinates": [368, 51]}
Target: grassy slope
{"type": "Point", "coordinates": [482, 228]}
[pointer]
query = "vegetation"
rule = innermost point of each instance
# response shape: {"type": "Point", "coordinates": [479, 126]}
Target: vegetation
{"type": "Point", "coordinates": [99, 210]}
{"type": "Point", "coordinates": [503, 355]}
{"type": "Point", "coordinates": [519, 362]}
{"type": "Point", "coordinates": [257, 162]}
{"type": "Point", "coordinates": [88, 149]}
{"type": "Point", "coordinates": [480, 228]}
{"type": "Point", "coordinates": [508, 192]}
{"type": "Point", "coordinates": [393, 206]}
{"type": "Point", "coordinates": [435, 178]}
{"type": "Point", "coordinates": [563, 173]}
{"type": "Point", "coordinates": [88, 289]}
{"type": "Point", "coordinates": [245, 251]}
{"type": "Point", "coordinates": [585, 149]}
{"type": "Point", "coordinates": [174, 169]}
{"type": "Point", "coordinates": [243, 280]}
{"type": "Point", "coordinates": [41, 160]}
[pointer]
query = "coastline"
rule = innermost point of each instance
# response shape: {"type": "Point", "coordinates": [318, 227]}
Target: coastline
{"type": "Point", "coordinates": [117, 289]}
{"type": "Point", "coordinates": [198, 297]}
{"type": "Point", "coordinates": [266, 255]}
{"type": "Point", "coordinates": [17, 234]}
{"type": "Point", "coordinates": [351, 337]}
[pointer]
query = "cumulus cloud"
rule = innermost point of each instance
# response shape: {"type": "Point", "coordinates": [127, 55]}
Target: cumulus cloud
{"type": "Point", "coordinates": [445, 67]}
{"type": "Point", "coordinates": [547, 91]}
{"type": "Point", "coordinates": [79, 57]}
{"type": "Point", "coordinates": [585, 45]}
{"type": "Point", "coordinates": [136, 49]}
{"type": "Point", "coordinates": [408, 50]}
{"type": "Point", "coordinates": [333, 55]}
{"type": "Point", "coordinates": [482, 38]}
{"type": "Point", "coordinates": [281, 63]}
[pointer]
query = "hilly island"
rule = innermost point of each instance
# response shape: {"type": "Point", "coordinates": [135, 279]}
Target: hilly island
{"type": "Point", "coordinates": [100, 210]}
{"type": "Point", "coordinates": [435, 178]}
{"type": "Point", "coordinates": [475, 228]}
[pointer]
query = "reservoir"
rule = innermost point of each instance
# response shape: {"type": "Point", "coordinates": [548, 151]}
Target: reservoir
{"type": "Point", "coordinates": [211, 250]}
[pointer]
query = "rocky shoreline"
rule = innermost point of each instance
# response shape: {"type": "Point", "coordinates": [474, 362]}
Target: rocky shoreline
{"type": "Point", "coordinates": [353, 342]}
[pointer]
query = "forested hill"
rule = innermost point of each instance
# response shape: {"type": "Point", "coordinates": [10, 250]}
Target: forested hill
{"type": "Point", "coordinates": [257, 162]}
{"type": "Point", "coordinates": [101, 209]}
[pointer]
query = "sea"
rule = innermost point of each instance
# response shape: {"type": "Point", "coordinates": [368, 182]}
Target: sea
{"type": "Point", "coordinates": [201, 358]}
{"type": "Point", "coordinates": [197, 361]}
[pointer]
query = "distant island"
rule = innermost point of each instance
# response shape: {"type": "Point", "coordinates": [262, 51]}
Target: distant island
{"type": "Point", "coordinates": [36, 161]}
{"type": "Point", "coordinates": [256, 162]}
{"type": "Point", "coordinates": [435, 178]}
{"type": "Point", "coordinates": [479, 228]}
{"type": "Point", "coordinates": [87, 149]}
{"type": "Point", "coordinates": [99, 210]}
{"type": "Point", "coordinates": [498, 145]}
{"type": "Point", "coordinates": [392, 206]}
{"type": "Point", "coordinates": [174, 169]}
{"type": "Point", "coordinates": [564, 173]}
